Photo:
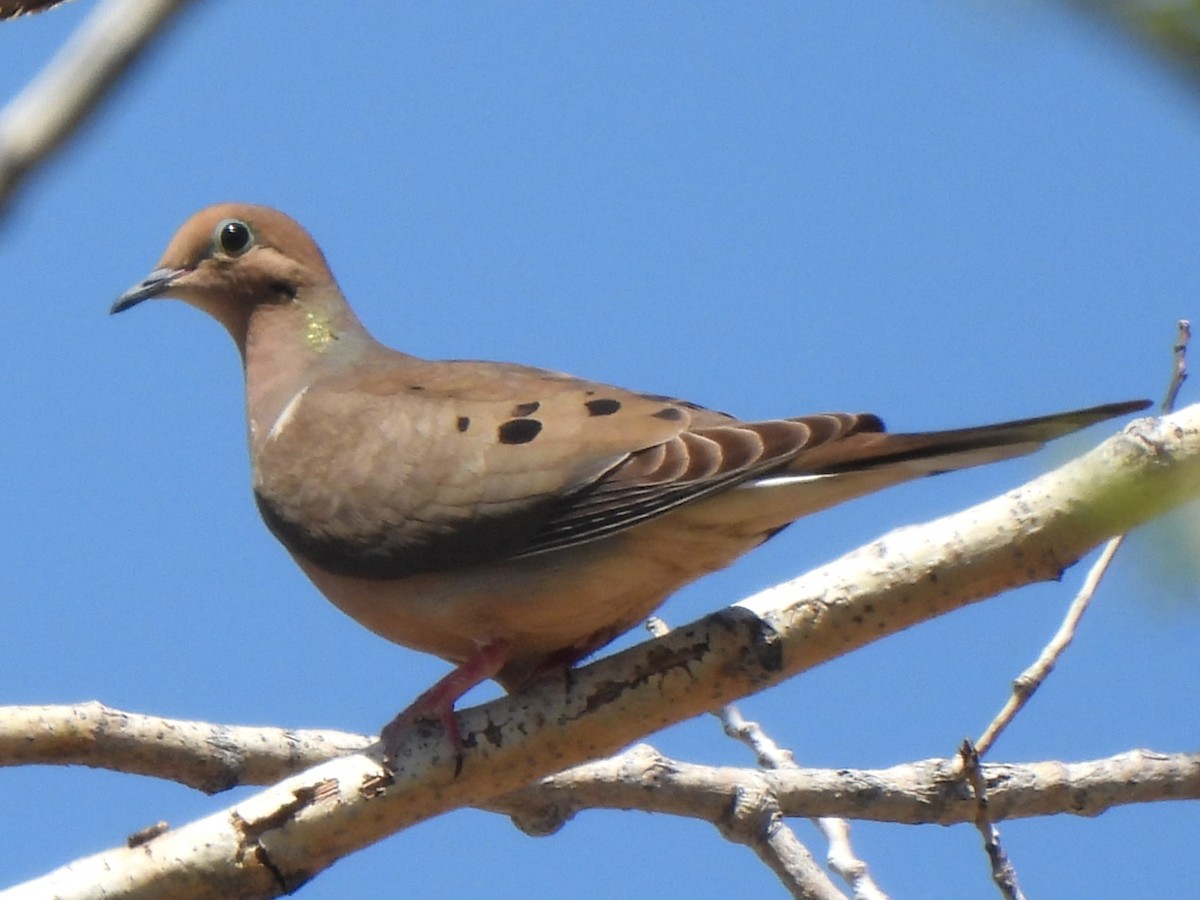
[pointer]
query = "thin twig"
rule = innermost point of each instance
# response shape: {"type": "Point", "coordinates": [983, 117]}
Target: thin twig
{"type": "Point", "coordinates": [1179, 372]}
{"type": "Point", "coordinates": [1003, 873]}
{"type": "Point", "coordinates": [1028, 681]}
{"type": "Point", "coordinates": [1025, 684]}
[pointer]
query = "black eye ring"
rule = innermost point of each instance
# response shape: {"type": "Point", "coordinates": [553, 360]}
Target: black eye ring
{"type": "Point", "coordinates": [234, 237]}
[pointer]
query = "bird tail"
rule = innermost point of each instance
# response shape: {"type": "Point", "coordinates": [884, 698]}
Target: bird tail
{"type": "Point", "coordinates": [927, 453]}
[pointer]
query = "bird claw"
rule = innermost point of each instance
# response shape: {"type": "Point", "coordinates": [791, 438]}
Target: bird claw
{"type": "Point", "coordinates": [437, 703]}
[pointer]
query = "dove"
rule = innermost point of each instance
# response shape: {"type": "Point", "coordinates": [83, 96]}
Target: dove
{"type": "Point", "coordinates": [508, 519]}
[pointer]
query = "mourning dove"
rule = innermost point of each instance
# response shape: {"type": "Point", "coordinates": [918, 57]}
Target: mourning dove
{"type": "Point", "coordinates": [508, 519]}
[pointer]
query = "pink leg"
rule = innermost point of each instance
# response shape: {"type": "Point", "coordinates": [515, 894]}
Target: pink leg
{"type": "Point", "coordinates": [438, 702]}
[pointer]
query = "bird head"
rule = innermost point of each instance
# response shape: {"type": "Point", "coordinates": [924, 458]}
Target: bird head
{"type": "Point", "coordinates": [233, 259]}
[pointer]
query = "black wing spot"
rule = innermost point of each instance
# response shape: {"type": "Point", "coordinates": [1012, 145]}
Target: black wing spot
{"type": "Point", "coordinates": [463, 423]}
{"type": "Point", "coordinates": [525, 409]}
{"type": "Point", "coordinates": [669, 414]}
{"type": "Point", "coordinates": [604, 407]}
{"type": "Point", "coordinates": [518, 431]}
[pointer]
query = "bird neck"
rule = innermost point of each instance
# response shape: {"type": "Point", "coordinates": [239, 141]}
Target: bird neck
{"type": "Point", "coordinates": [287, 347]}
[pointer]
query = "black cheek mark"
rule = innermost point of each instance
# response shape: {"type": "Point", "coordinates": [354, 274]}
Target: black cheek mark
{"type": "Point", "coordinates": [463, 423]}
{"type": "Point", "coordinates": [283, 289]}
{"type": "Point", "coordinates": [670, 414]}
{"type": "Point", "coordinates": [518, 431]}
{"type": "Point", "coordinates": [416, 387]}
{"type": "Point", "coordinates": [525, 409]}
{"type": "Point", "coordinates": [605, 407]}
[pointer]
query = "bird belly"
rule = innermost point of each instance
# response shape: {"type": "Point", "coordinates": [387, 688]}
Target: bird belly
{"type": "Point", "coordinates": [553, 607]}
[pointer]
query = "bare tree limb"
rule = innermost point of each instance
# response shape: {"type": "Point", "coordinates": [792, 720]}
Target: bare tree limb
{"type": "Point", "coordinates": [49, 110]}
{"type": "Point", "coordinates": [924, 792]}
{"type": "Point", "coordinates": [212, 758]}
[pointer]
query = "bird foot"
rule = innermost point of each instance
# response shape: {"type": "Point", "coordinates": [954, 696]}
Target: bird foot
{"type": "Point", "coordinates": [437, 703]}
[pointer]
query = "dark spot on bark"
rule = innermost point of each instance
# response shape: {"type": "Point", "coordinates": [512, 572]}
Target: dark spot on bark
{"type": "Point", "coordinates": [463, 423]}
{"type": "Point", "coordinates": [669, 414]}
{"type": "Point", "coordinates": [605, 407]}
{"type": "Point", "coordinates": [525, 409]}
{"type": "Point", "coordinates": [519, 431]}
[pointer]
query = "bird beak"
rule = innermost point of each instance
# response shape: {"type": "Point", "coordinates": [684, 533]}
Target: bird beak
{"type": "Point", "coordinates": [155, 284]}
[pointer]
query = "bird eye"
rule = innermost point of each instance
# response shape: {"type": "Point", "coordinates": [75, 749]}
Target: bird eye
{"type": "Point", "coordinates": [233, 237]}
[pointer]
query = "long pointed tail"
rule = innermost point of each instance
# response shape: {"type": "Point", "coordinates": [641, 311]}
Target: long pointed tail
{"type": "Point", "coordinates": [940, 451]}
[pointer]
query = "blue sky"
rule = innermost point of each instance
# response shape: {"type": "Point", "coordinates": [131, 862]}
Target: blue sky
{"type": "Point", "coordinates": [943, 213]}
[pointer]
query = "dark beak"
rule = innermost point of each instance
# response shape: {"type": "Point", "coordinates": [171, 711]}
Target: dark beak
{"type": "Point", "coordinates": [155, 284]}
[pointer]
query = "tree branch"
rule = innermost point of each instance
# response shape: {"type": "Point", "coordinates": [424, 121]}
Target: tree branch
{"type": "Point", "coordinates": [926, 792]}
{"type": "Point", "coordinates": [917, 793]}
{"type": "Point", "coordinates": [211, 758]}
{"type": "Point", "coordinates": [49, 110]}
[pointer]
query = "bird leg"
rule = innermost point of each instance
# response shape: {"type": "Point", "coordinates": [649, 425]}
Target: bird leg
{"type": "Point", "coordinates": [437, 703]}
